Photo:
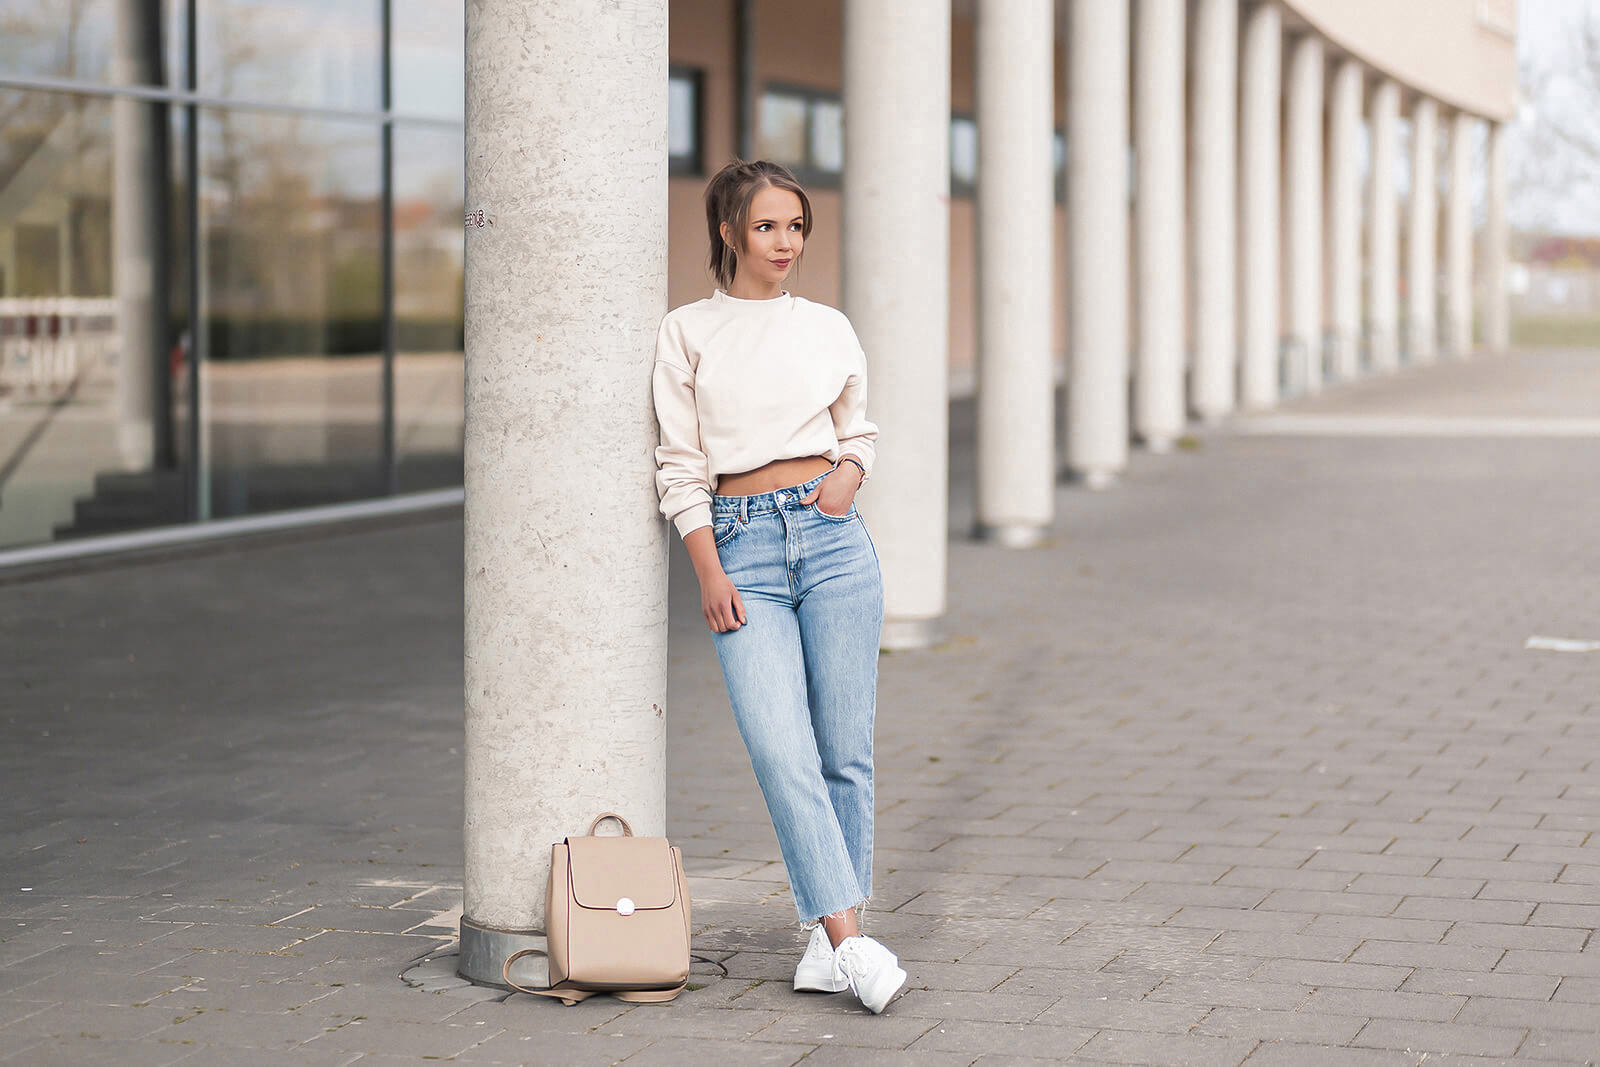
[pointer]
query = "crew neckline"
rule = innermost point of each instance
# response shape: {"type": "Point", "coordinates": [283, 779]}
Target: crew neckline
{"type": "Point", "coordinates": [722, 296]}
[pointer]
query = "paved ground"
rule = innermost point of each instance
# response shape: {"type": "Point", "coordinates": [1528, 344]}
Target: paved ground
{"type": "Point", "coordinates": [1248, 765]}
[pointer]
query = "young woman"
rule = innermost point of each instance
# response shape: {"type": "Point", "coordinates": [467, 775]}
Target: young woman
{"type": "Point", "coordinates": [761, 397]}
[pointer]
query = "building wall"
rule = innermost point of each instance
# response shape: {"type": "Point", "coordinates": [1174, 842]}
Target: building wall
{"type": "Point", "coordinates": [800, 46]}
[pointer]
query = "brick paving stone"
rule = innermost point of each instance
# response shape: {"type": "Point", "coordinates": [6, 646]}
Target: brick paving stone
{"type": "Point", "coordinates": [1278, 1025]}
{"type": "Point", "coordinates": [679, 1051]}
{"type": "Point", "coordinates": [1483, 911]}
{"type": "Point", "coordinates": [892, 1030]}
{"type": "Point", "coordinates": [1192, 1050]}
{"type": "Point", "coordinates": [1296, 1054]}
{"type": "Point", "coordinates": [1542, 892]}
{"type": "Point", "coordinates": [1530, 1014]}
{"type": "Point", "coordinates": [975, 1037]}
{"type": "Point", "coordinates": [1530, 961]}
{"type": "Point", "coordinates": [1001, 1007]}
{"type": "Point", "coordinates": [1279, 879]}
{"type": "Point", "coordinates": [1292, 946]}
{"type": "Point", "coordinates": [1413, 1036]}
{"type": "Point", "coordinates": [1369, 863]}
{"type": "Point", "coordinates": [1584, 990]}
{"type": "Point", "coordinates": [1233, 992]}
{"type": "Point", "coordinates": [1475, 983]}
{"type": "Point", "coordinates": [1331, 974]}
{"type": "Point", "coordinates": [1420, 931]}
{"type": "Point", "coordinates": [1562, 1046]}
{"type": "Point", "coordinates": [1580, 916]}
{"type": "Point", "coordinates": [81, 1052]}
{"type": "Point", "coordinates": [295, 1057]}
{"type": "Point", "coordinates": [1384, 1004]}
{"type": "Point", "coordinates": [829, 1054]}
{"type": "Point", "coordinates": [1146, 1016]}
{"type": "Point", "coordinates": [1079, 985]}
{"type": "Point", "coordinates": [1509, 936]}
{"type": "Point", "coordinates": [1413, 954]}
{"type": "Point", "coordinates": [1344, 902]}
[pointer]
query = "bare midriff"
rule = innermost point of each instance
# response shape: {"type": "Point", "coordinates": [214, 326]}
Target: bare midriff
{"type": "Point", "coordinates": [779, 474]}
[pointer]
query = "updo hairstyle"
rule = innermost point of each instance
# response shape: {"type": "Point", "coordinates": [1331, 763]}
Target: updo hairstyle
{"type": "Point", "coordinates": [728, 197]}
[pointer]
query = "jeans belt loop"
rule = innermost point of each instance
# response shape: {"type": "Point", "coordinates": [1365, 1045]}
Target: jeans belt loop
{"type": "Point", "coordinates": [744, 509]}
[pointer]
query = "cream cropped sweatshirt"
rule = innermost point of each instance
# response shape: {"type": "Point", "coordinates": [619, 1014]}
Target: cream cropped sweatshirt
{"type": "Point", "coordinates": [741, 383]}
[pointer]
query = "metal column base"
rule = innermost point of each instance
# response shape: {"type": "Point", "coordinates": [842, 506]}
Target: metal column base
{"type": "Point", "coordinates": [485, 951]}
{"type": "Point", "coordinates": [908, 635]}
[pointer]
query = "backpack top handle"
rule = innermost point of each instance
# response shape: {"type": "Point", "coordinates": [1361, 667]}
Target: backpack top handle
{"type": "Point", "coordinates": [627, 831]}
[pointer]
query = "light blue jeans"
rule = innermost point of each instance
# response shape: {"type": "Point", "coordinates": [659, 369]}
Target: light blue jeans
{"type": "Point", "coordinates": [802, 676]}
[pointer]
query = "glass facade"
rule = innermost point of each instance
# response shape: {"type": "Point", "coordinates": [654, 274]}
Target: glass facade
{"type": "Point", "coordinates": [231, 258]}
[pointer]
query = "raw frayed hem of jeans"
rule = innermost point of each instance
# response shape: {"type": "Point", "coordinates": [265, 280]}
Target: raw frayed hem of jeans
{"type": "Point", "coordinates": [808, 925]}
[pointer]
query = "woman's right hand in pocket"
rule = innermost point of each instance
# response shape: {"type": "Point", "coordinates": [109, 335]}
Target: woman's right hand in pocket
{"type": "Point", "coordinates": [720, 603]}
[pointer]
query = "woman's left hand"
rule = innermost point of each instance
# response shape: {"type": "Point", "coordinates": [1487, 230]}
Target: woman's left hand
{"type": "Point", "coordinates": [836, 490]}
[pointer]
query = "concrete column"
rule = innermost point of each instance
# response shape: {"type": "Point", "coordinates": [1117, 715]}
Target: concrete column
{"type": "Point", "coordinates": [1422, 233]}
{"type": "Point", "coordinates": [1458, 239]}
{"type": "Point", "coordinates": [896, 262]}
{"type": "Point", "coordinates": [566, 632]}
{"type": "Point", "coordinates": [1303, 193]}
{"type": "Point", "coordinates": [1016, 383]}
{"type": "Point", "coordinates": [1496, 247]}
{"type": "Point", "coordinates": [1383, 279]}
{"type": "Point", "coordinates": [1159, 70]}
{"type": "Point", "coordinates": [140, 180]}
{"type": "Point", "coordinates": [1097, 239]}
{"type": "Point", "coordinates": [1260, 89]}
{"type": "Point", "coordinates": [1344, 218]}
{"type": "Point", "coordinates": [1214, 110]}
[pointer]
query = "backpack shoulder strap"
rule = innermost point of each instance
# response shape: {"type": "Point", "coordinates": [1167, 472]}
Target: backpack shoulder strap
{"type": "Point", "coordinates": [570, 996]}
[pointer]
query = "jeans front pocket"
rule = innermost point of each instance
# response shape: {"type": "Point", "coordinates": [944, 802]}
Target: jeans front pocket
{"type": "Point", "coordinates": [724, 528]}
{"type": "Point", "coordinates": [846, 517]}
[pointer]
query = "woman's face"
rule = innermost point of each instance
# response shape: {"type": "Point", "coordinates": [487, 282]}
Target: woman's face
{"type": "Point", "coordinates": [772, 237]}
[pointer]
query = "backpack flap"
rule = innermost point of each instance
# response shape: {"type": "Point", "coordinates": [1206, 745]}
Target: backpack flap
{"type": "Point", "coordinates": [608, 871]}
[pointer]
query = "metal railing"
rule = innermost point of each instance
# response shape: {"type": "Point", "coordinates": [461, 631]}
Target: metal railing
{"type": "Point", "coordinates": [48, 343]}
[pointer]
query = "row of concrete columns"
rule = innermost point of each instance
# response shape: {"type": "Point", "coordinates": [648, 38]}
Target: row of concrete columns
{"type": "Point", "coordinates": [566, 580]}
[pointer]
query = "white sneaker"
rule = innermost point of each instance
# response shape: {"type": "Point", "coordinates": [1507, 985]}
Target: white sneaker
{"type": "Point", "coordinates": [815, 974]}
{"type": "Point", "coordinates": [873, 972]}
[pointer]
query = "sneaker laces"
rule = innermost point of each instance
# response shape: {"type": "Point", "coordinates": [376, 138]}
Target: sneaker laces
{"type": "Point", "coordinates": [819, 948]}
{"type": "Point", "coordinates": [849, 960]}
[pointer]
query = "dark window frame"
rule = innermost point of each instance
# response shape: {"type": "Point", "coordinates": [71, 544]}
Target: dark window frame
{"type": "Point", "coordinates": [807, 172]}
{"type": "Point", "coordinates": [692, 165]}
{"type": "Point", "coordinates": [966, 190]}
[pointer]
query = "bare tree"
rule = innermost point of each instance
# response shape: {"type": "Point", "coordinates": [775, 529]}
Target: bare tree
{"type": "Point", "coordinates": [1557, 161]}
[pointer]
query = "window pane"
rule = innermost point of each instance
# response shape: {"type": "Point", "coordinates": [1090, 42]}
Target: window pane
{"type": "Point", "coordinates": [90, 275]}
{"type": "Point", "coordinates": [681, 111]}
{"type": "Point", "coordinates": [963, 152]}
{"type": "Point", "coordinates": [827, 136]}
{"type": "Point", "coordinates": [429, 63]}
{"type": "Point", "coordinates": [126, 42]}
{"type": "Point", "coordinates": [428, 259]}
{"type": "Point", "coordinates": [783, 128]}
{"type": "Point", "coordinates": [292, 380]}
{"type": "Point", "coordinates": [313, 53]}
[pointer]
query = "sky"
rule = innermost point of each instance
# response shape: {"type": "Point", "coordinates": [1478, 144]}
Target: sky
{"type": "Point", "coordinates": [1553, 186]}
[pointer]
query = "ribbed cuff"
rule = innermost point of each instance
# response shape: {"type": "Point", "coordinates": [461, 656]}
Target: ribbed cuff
{"type": "Point", "coordinates": [692, 518]}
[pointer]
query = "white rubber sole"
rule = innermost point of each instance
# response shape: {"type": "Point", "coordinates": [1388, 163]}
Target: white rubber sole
{"type": "Point", "coordinates": [820, 980]}
{"type": "Point", "coordinates": [877, 998]}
